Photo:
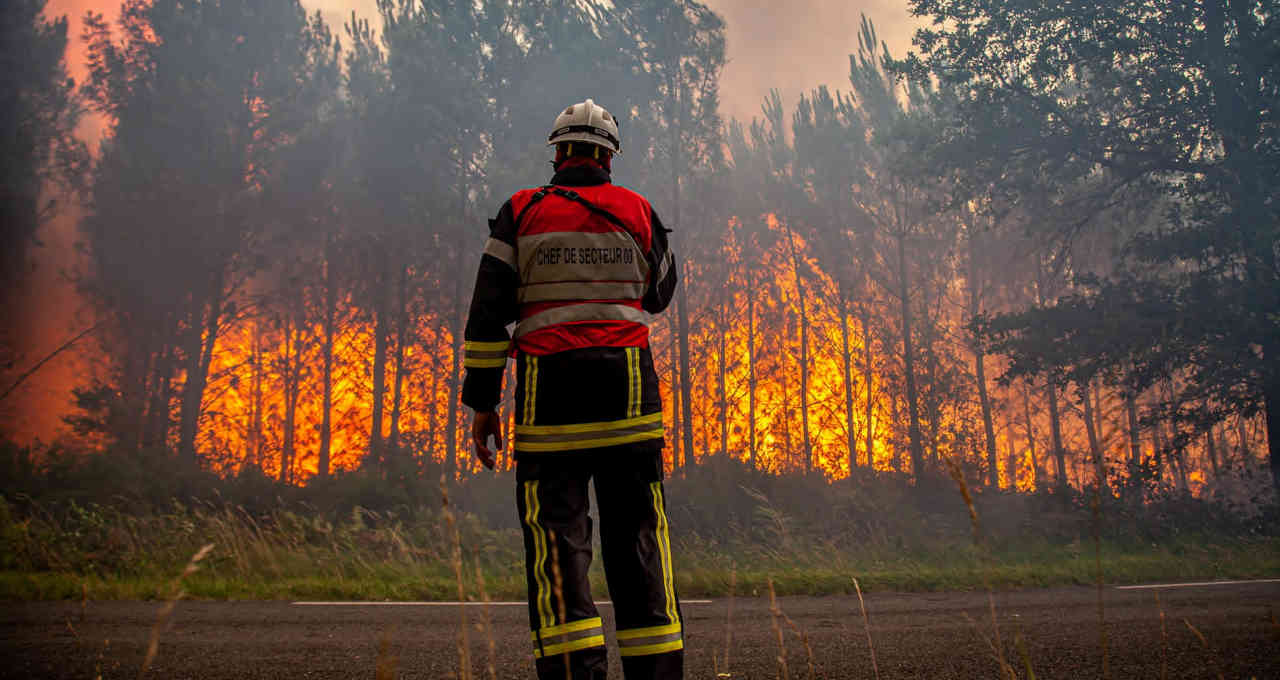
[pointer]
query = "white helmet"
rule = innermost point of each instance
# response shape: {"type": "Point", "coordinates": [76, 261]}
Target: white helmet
{"type": "Point", "coordinates": [586, 122]}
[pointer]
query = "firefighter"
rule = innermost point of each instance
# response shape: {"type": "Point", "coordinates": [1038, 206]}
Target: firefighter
{"type": "Point", "coordinates": [579, 265]}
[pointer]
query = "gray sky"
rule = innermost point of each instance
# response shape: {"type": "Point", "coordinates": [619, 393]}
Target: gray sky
{"type": "Point", "coordinates": [794, 46]}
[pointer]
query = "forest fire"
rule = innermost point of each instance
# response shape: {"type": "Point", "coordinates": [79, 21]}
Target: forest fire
{"type": "Point", "coordinates": [265, 379]}
{"type": "Point", "coordinates": [992, 314]}
{"type": "Point", "coordinates": [307, 315]}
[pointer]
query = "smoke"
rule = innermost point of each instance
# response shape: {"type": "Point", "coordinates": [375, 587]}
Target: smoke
{"type": "Point", "coordinates": [797, 46]}
{"type": "Point", "coordinates": [793, 46]}
{"type": "Point", "coordinates": [44, 308]}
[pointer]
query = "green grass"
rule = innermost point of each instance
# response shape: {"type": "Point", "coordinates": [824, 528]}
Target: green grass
{"type": "Point", "coordinates": [807, 536]}
{"type": "Point", "coordinates": [302, 572]}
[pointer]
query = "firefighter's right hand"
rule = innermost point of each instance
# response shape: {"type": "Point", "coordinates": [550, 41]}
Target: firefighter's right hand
{"type": "Point", "coordinates": [484, 425]}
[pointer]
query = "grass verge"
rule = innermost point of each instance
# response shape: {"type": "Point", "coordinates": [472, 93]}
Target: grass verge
{"type": "Point", "coordinates": [702, 574]}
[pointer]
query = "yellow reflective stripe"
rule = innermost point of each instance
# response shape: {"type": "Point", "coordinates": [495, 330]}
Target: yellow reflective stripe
{"type": "Point", "coordinates": [541, 587]}
{"type": "Point", "coordinates": [603, 426]}
{"type": "Point", "coordinates": [633, 382]}
{"type": "Point", "coordinates": [571, 646]}
{"type": "Point", "coordinates": [664, 552]}
{"type": "Point", "coordinates": [587, 443]}
{"type": "Point", "coordinates": [643, 650]}
{"type": "Point", "coordinates": [484, 363]}
{"type": "Point", "coordinates": [571, 627]}
{"type": "Point", "coordinates": [473, 346]}
{"type": "Point", "coordinates": [533, 403]}
{"type": "Point", "coordinates": [632, 633]}
{"type": "Point", "coordinates": [530, 389]}
{"type": "Point", "coordinates": [524, 413]}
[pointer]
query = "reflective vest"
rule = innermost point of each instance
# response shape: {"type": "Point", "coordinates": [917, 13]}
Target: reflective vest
{"type": "Point", "coordinates": [577, 267]}
{"type": "Point", "coordinates": [580, 258]}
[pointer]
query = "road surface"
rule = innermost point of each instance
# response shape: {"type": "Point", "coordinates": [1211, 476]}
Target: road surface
{"type": "Point", "coordinates": [917, 635]}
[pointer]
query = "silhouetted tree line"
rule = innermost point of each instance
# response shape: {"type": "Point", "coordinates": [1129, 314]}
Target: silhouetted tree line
{"type": "Point", "coordinates": [1042, 249]}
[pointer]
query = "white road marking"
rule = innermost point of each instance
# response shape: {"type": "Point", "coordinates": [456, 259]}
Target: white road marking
{"type": "Point", "coordinates": [445, 604]}
{"type": "Point", "coordinates": [1196, 584]}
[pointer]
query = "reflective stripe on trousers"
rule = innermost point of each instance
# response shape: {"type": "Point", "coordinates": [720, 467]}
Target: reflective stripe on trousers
{"type": "Point", "coordinates": [542, 438]}
{"type": "Point", "coordinates": [568, 637]}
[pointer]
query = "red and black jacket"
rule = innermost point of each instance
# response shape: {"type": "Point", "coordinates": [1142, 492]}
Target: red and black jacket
{"type": "Point", "coordinates": [578, 266]}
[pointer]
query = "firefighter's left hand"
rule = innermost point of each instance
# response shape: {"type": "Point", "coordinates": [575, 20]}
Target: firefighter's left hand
{"type": "Point", "coordinates": [484, 425]}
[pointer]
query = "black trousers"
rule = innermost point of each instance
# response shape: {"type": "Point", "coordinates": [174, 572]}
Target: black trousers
{"type": "Point", "coordinates": [552, 500]}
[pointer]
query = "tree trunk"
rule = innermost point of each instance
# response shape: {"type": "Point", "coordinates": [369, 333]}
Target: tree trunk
{"type": "Point", "coordinates": [686, 376]}
{"type": "Point", "coordinates": [894, 415]}
{"type": "Point", "coordinates": [1135, 435]}
{"type": "Point", "coordinates": [1095, 447]}
{"type": "Point", "coordinates": [1242, 440]}
{"type": "Point", "coordinates": [678, 455]}
{"type": "Point", "coordinates": [909, 363]}
{"type": "Point", "coordinates": [1011, 457]}
{"type": "Point", "coordinates": [292, 380]}
{"type": "Point", "coordinates": [1031, 436]}
{"type": "Point", "coordinates": [724, 396]}
{"type": "Point", "coordinates": [987, 426]}
{"type": "Point", "coordinates": [1211, 448]}
{"type": "Point", "coordinates": [433, 409]}
{"type": "Point", "coordinates": [1157, 439]}
{"type": "Point", "coordinates": [256, 440]}
{"type": "Point", "coordinates": [804, 353]}
{"type": "Point", "coordinates": [192, 386]}
{"type": "Point", "coordinates": [751, 376]}
{"type": "Point", "coordinates": [1055, 433]}
{"type": "Point", "coordinates": [455, 383]}
{"type": "Point", "coordinates": [135, 384]}
{"type": "Point", "coordinates": [157, 428]}
{"type": "Point", "coordinates": [402, 338]}
{"type": "Point", "coordinates": [682, 301]}
{"type": "Point", "coordinates": [381, 333]}
{"type": "Point", "coordinates": [851, 441]}
{"type": "Point", "coordinates": [326, 379]}
{"type": "Point", "coordinates": [203, 336]}
{"type": "Point", "coordinates": [1271, 396]}
{"type": "Point", "coordinates": [867, 378]}
{"type": "Point", "coordinates": [786, 412]}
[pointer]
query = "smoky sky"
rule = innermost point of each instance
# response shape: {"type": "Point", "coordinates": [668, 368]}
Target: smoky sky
{"type": "Point", "coordinates": [792, 46]}
{"type": "Point", "coordinates": [797, 46]}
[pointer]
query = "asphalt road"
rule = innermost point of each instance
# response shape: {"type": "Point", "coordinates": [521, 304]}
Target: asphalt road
{"type": "Point", "coordinates": [918, 635]}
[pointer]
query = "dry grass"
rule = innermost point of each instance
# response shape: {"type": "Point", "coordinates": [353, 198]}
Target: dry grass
{"type": "Point", "coordinates": [776, 613]}
{"type": "Point", "coordinates": [1021, 644]}
{"type": "Point", "coordinates": [486, 625]}
{"type": "Point", "coordinates": [1164, 641]}
{"type": "Point", "coordinates": [176, 593]}
{"type": "Point", "coordinates": [464, 641]}
{"type": "Point", "coordinates": [386, 664]}
{"type": "Point", "coordinates": [1213, 658]}
{"type": "Point", "coordinates": [728, 631]}
{"type": "Point", "coordinates": [996, 644]}
{"type": "Point", "coordinates": [866, 625]}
